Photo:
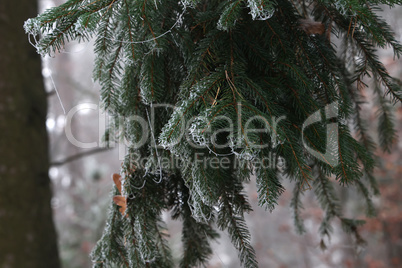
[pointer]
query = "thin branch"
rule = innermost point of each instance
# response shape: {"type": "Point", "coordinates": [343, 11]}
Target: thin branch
{"type": "Point", "coordinates": [78, 156]}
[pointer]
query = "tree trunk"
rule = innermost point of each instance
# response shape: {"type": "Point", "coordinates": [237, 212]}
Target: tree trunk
{"type": "Point", "coordinates": [27, 233]}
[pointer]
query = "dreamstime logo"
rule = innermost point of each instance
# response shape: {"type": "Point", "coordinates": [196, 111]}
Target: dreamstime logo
{"type": "Point", "coordinates": [198, 134]}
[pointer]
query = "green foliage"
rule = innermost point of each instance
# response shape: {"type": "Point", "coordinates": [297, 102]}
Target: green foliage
{"type": "Point", "coordinates": [228, 67]}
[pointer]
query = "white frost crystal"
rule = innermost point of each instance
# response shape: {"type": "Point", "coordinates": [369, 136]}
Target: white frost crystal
{"type": "Point", "coordinates": [259, 10]}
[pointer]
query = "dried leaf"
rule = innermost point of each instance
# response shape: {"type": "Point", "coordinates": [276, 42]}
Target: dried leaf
{"type": "Point", "coordinates": [116, 178]}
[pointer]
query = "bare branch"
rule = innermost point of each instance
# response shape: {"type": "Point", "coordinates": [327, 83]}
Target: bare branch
{"type": "Point", "coordinates": [78, 156]}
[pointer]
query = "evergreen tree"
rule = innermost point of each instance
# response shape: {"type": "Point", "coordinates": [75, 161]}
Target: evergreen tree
{"type": "Point", "coordinates": [253, 83]}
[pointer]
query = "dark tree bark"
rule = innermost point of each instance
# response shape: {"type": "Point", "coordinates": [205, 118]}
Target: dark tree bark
{"type": "Point", "coordinates": [27, 233]}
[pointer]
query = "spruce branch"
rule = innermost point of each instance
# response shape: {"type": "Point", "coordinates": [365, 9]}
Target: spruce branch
{"type": "Point", "coordinates": [220, 69]}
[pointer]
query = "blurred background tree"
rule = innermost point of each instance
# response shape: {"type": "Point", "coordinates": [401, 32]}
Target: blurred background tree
{"type": "Point", "coordinates": [27, 233]}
